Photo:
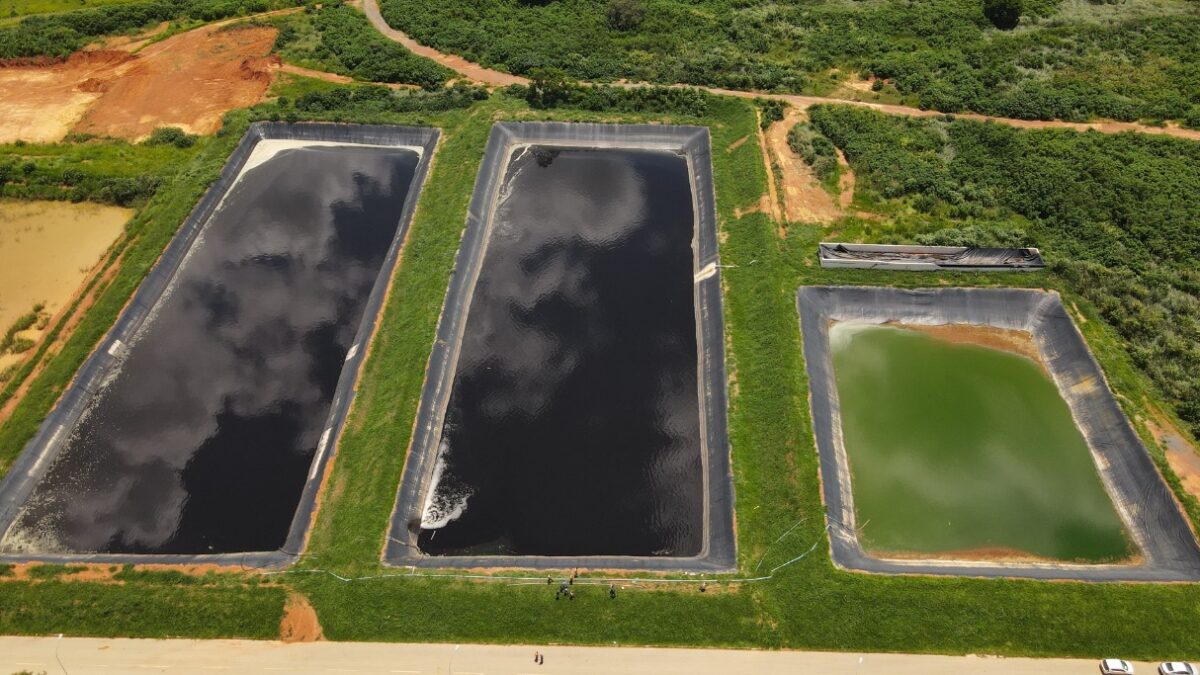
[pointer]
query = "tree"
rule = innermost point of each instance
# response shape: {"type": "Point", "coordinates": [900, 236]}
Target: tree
{"type": "Point", "coordinates": [548, 87]}
{"type": "Point", "coordinates": [1004, 14]}
{"type": "Point", "coordinates": [625, 14]}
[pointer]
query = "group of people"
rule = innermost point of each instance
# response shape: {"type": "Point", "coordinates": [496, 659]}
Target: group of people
{"type": "Point", "coordinates": [564, 588]}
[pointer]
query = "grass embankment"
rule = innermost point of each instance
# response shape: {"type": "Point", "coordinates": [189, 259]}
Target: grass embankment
{"type": "Point", "coordinates": [809, 604]}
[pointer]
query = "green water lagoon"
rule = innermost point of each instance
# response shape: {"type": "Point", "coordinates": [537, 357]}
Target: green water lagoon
{"type": "Point", "coordinates": [965, 450]}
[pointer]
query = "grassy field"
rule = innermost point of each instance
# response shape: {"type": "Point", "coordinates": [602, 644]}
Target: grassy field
{"type": "Point", "coordinates": [808, 604]}
{"type": "Point", "coordinates": [11, 8]}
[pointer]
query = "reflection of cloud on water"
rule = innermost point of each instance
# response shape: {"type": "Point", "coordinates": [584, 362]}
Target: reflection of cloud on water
{"type": "Point", "coordinates": [244, 331]}
{"type": "Point", "coordinates": [563, 368]}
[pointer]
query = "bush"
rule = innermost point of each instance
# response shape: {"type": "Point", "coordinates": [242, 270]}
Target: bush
{"type": "Point", "coordinates": [1004, 14]}
{"type": "Point", "coordinates": [977, 236]}
{"type": "Point", "coordinates": [374, 98]}
{"type": "Point", "coordinates": [171, 136]}
{"type": "Point", "coordinates": [770, 111]}
{"type": "Point", "coordinates": [815, 149]}
{"type": "Point", "coordinates": [552, 88]}
{"type": "Point", "coordinates": [625, 14]}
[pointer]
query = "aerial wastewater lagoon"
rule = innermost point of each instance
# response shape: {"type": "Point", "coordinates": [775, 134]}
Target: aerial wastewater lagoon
{"type": "Point", "coordinates": [573, 420]}
{"type": "Point", "coordinates": [965, 450]}
{"type": "Point", "coordinates": [203, 424]}
{"type": "Point", "coordinates": [969, 431]}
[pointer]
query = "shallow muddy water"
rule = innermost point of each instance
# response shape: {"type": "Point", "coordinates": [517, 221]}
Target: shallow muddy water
{"type": "Point", "coordinates": [47, 250]}
{"type": "Point", "coordinates": [967, 451]}
{"type": "Point", "coordinates": [201, 442]}
{"type": "Point", "coordinates": [573, 422]}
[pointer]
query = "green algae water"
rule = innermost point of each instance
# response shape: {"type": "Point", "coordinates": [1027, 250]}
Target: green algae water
{"type": "Point", "coordinates": [965, 450]}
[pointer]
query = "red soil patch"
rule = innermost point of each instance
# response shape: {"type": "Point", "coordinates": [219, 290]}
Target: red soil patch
{"type": "Point", "coordinates": [299, 622]}
{"type": "Point", "coordinates": [188, 81]}
{"type": "Point", "coordinates": [1180, 452]}
{"type": "Point", "coordinates": [42, 101]}
{"type": "Point", "coordinates": [1004, 339]}
{"type": "Point", "coordinates": [805, 200]}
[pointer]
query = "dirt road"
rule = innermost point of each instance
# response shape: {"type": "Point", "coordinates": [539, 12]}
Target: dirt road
{"type": "Point", "coordinates": [83, 656]}
{"type": "Point", "coordinates": [478, 73]}
{"type": "Point", "coordinates": [469, 70]}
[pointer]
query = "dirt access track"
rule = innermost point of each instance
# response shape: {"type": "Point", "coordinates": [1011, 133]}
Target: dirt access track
{"type": "Point", "coordinates": [189, 81]}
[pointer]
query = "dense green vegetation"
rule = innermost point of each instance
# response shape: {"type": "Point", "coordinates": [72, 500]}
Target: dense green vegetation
{"type": "Point", "coordinates": [1113, 213]}
{"type": "Point", "coordinates": [370, 99]}
{"type": "Point", "coordinates": [552, 88]}
{"type": "Point", "coordinates": [1069, 59]}
{"type": "Point", "coordinates": [86, 169]}
{"type": "Point", "coordinates": [57, 35]}
{"type": "Point", "coordinates": [816, 150]}
{"type": "Point", "coordinates": [808, 604]}
{"type": "Point", "coordinates": [13, 8]}
{"type": "Point", "coordinates": [338, 38]}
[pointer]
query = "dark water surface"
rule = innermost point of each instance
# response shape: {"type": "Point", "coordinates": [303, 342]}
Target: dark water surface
{"type": "Point", "coordinates": [203, 440]}
{"type": "Point", "coordinates": [965, 450]}
{"type": "Point", "coordinates": [573, 423]}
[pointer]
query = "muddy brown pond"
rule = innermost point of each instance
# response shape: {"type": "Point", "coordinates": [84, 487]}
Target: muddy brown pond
{"type": "Point", "coordinates": [573, 423]}
{"type": "Point", "coordinates": [202, 440]}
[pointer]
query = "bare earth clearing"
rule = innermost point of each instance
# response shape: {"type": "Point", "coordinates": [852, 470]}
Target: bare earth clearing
{"type": "Point", "coordinates": [189, 81]}
{"type": "Point", "coordinates": [805, 200]}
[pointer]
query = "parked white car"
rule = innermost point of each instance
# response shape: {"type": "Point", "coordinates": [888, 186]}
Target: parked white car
{"type": "Point", "coordinates": [1116, 667]}
{"type": "Point", "coordinates": [1176, 668]}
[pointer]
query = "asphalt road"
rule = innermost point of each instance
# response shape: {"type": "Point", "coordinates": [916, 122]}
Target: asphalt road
{"type": "Point", "coordinates": [90, 656]}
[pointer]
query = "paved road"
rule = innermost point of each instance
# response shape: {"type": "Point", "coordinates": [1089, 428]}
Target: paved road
{"type": "Point", "coordinates": [478, 73]}
{"type": "Point", "coordinates": [89, 656]}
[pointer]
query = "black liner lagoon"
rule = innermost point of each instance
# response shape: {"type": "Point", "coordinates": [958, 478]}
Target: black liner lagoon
{"type": "Point", "coordinates": [574, 409]}
{"type": "Point", "coordinates": [200, 429]}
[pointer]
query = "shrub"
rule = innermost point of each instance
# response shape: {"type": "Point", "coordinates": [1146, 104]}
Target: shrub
{"type": "Point", "coordinates": [1004, 14]}
{"type": "Point", "coordinates": [171, 136]}
{"type": "Point", "coordinates": [625, 14]}
{"type": "Point", "coordinates": [815, 149]}
{"type": "Point", "coordinates": [770, 111]}
{"type": "Point", "coordinates": [551, 88]}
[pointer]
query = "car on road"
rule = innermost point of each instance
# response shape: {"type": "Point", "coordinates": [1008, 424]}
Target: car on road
{"type": "Point", "coordinates": [1116, 667]}
{"type": "Point", "coordinates": [1176, 668]}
